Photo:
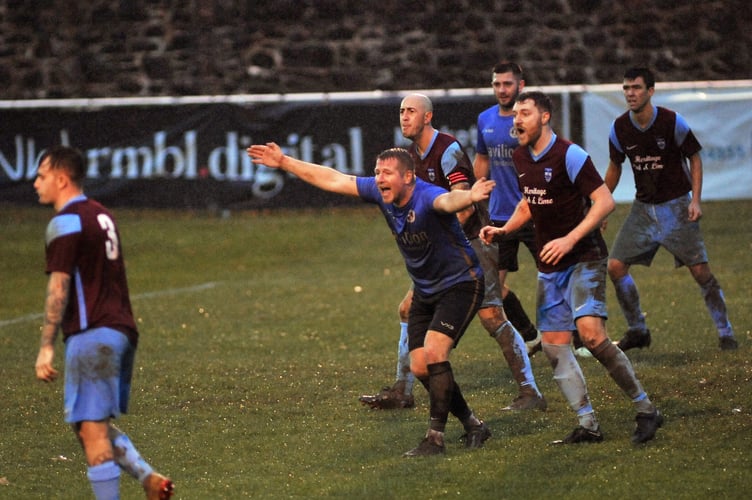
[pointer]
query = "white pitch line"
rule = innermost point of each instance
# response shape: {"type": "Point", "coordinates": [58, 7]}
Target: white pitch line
{"type": "Point", "coordinates": [146, 295]}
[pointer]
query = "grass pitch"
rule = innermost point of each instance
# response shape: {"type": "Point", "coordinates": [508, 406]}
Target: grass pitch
{"type": "Point", "coordinates": [255, 347]}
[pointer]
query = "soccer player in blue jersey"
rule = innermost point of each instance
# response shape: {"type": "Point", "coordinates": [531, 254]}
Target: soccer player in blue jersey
{"type": "Point", "coordinates": [495, 142]}
{"type": "Point", "coordinates": [660, 146]}
{"type": "Point", "coordinates": [87, 298]}
{"type": "Point", "coordinates": [440, 160]}
{"type": "Point", "coordinates": [567, 201]}
{"type": "Point", "coordinates": [447, 278]}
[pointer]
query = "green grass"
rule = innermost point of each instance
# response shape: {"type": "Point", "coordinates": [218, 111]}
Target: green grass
{"type": "Point", "coordinates": [255, 348]}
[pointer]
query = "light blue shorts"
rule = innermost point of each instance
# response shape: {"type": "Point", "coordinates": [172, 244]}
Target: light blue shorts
{"type": "Point", "coordinates": [98, 372]}
{"type": "Point", "coordinates": [564, 296]}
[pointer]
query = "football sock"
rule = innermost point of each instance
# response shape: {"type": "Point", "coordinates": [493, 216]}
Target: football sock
{"type": "Point", "coordinates": [643, 404]}
{"type": "Point", "coordinates": [586, 418]}
{"type": "Point", "coordinates": [105, 480]}
{"type": "Point", "coordinates": [403, 361]}
{"type": "Point", "coordinates": [629, 301]}
{"type": "Point", "coordinates": [515, 353]}
{"type": "Point", "coordinates": [568, 375]}
{"type": "Point", "coordinates": [127, 457]}
{"type": "Point", "coordinates": [715, 301]}
{"type": "Point", "coordinates": [620, 369]}
{"type": "Point", "coordinates": [519, 318]}
{"type": "Point", "coordinates": [458, 406]}
{"type": "Point", "coordinates": [441, 389]}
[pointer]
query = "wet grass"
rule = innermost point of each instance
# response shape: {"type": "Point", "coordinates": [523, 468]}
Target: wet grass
{"type": "Point", "coordinates": [255, 347]}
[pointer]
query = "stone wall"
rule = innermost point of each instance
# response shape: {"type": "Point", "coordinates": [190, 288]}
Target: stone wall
{"type": "Point", "coordinates": [113, 48]}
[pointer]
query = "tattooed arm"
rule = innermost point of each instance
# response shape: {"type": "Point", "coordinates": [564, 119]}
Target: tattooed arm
{"type": "Point", "coordinates": [54, 308]}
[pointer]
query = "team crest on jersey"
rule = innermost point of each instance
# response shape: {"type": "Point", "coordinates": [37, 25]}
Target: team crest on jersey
{"type": "Point", "coordinates": [661, 143]}
{"type": "Point", "coordinates": [411, 216]}
{"type": "Point", "coordinates": [513, 132]}
{"type": "Point", "coordinates": [431, 175]}
{"type": "Point", "coordinates": [548, 174]}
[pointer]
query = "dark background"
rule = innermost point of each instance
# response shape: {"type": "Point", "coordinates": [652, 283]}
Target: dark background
{"type": "Point", "coordinates": [112, 48]}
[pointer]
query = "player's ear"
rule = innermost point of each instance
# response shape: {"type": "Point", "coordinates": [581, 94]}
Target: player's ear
{"type": "Point", "coordinates": [62, 179]}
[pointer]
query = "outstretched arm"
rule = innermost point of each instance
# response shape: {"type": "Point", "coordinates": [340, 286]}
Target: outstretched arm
{"type": "Point", "coordinates": [320, 176]}
{"type": "Point", "coordinates": [459, 199]}
{"type": "Point", "coordinates": [519, 218]}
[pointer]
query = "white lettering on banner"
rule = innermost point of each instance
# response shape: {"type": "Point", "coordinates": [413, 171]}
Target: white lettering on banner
{"type": "Point", "coordinates": [30, 157]}
{"type": "Point", "coordinates": [16, 173]}
{"type": "Point", "coordinates": [144, 162]}
{"type": "Point", "coordinates": [332, 155]}
{"type": "Point", "coordinates": [228, 162]}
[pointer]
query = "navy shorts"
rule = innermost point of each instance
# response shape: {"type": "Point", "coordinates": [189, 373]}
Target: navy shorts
{"type": "Point", "coordinates": [509, 246]}
{"type": "Point", "coordinates": [449, 312]}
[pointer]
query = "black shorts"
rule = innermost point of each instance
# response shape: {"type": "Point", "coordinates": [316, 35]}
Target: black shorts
{"type": "Point", "coordinates": [509, 246]}
{"type": "Point", "coordinates": [449, 312]}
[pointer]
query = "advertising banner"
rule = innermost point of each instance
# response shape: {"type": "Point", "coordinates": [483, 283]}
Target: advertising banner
{"type": "Point", "coordinates": [190, 154]}
{"type": "Point", "coordinates": [193, 156]}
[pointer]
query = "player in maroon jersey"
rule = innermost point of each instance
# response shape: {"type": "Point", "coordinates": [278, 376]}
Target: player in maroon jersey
{"type": "Point", "coordinates": [567, 201]}
{"type": "Point", "coordinates": [87, 298]}
{"type": "Point", "coordinates": [659, 145]}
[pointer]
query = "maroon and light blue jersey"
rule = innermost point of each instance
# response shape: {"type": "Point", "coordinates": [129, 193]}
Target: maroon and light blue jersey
{"type": "Point", "coordinates": [657, 154]}
{"type": "Point", "coordinates": [444, 164]}
{"type": "Point", "coordinates": [497, 139]}
{"type": "Point", "coordinates": [557, 185]}
{"type": "Point", "coordinates": [437, 253]}
{"type": "Point", "coordinates": [83, 241]}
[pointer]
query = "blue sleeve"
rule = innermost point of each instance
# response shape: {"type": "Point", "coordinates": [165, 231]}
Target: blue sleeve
{"type": "Point", "coordinates": [367, 189]}
{"type": "Point", "coordinates": [576, 157]}
{"type": "Point", "coordinates": [62, 225]}
{"type": "Point", "coordinates": [681, 129]}
{"type": "Point", "coordinates": [480, 143]}
{"type": "Point", "coordinates": [449, 158]}
{"type": "Point", "coordinates": [614, 140]}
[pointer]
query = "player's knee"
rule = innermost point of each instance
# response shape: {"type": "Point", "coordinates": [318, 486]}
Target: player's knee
{"type": "Point", "coordinates": [702, 275]}
{"type": "Point", "coordinates": [616, 269]}
{"type": "Point", "coordinates": [492, 325]}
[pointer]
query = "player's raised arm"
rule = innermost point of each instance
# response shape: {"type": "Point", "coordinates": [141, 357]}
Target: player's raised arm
{"type": "Point", "coordinates": [459, 199]}
{"type": "Point", "coordinates": [328, 179]}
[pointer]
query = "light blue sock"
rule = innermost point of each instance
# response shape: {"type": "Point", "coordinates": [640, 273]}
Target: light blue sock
{"type": "Point", "coordinates": [127, 457]}
{"type": "Point", "coordinates": [629, 301]}
{"type": "Point", "coordinates": [403, 361]}
{"type": "Point", "coordinates": [715, 301]}
{"type": "Point", "coordinates": [105, 480]}
{"type": "Point", "coordinates": [568, 375]}
{"type": "Point", "coordinates": [527, 370]}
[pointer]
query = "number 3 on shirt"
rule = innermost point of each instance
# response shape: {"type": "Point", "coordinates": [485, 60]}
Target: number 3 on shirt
{"type": "Point", "coordinates": [112, 245]}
